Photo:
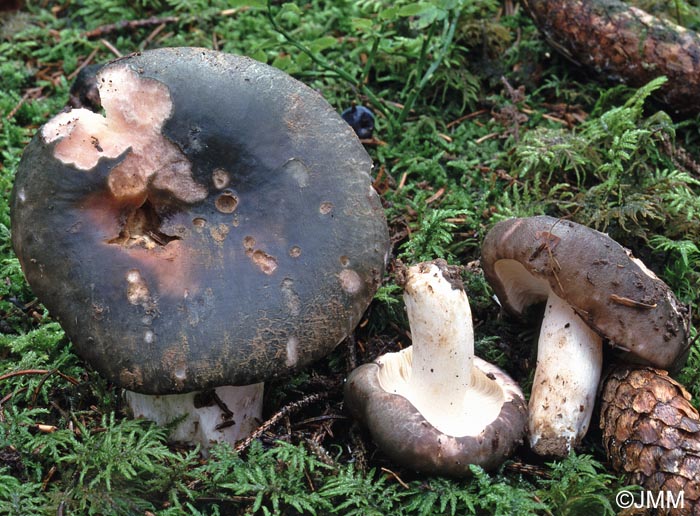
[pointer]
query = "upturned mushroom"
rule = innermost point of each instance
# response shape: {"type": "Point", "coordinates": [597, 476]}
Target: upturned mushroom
{"type": "Point", "coordinates": [434, 406]}
{"type": "Point", "coordinates": [215, 227]}
{"type": "Point", "coordinates": [594, 290]}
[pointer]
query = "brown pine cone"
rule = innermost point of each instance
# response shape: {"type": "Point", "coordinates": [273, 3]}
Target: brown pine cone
{"type": "Point", "coordinates": [624, 43]}
{"type": "Point", "coordinates": [651, 434]}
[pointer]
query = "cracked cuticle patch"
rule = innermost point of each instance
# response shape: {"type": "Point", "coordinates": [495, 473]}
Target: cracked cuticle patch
{"type": "Point", "coordinates": [135, 110]}
{"type": "Point", "coordinates": [350, 281]}
{"type": "Point", "coordinates": [137, 291]}
{"type": "Point", "coordinates": [291, 299]}
{"type": "Point", "coordinates": [219, 232]}
{"type": "Point", "coordinates": [292, 352]}
{"type": "Point", "coordinates": [220, 178]}
{"type": "Point", "coordinates": [298, 171]}
{"type": "Point", "coordinates": [265, 262]}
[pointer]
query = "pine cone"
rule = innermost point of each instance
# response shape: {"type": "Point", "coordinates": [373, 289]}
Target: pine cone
{"type": "Point", "coordinates": [624, 43]}
{"type": "Point", "coordinates": [651, 434]}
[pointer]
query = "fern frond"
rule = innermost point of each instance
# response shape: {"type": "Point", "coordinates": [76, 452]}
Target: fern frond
{"type": "Point", "coordinates": [686, 250]}
{"type": "Point", "coordinates": [433, 236]}
{"type": "Point", "coordinates": [18, 498]}
{"type": "Point", "coordinates": [579, 485]}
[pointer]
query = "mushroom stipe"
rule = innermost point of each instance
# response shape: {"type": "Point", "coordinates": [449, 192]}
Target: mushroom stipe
{"type": "Point", "coordinates": [217, 226]}
{"type": "Point", "coordinates": [594, 290]}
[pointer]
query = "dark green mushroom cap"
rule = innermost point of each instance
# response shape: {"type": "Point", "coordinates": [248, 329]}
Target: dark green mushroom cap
{"type": "Point", "coordinates": [232, 237]}
{"type": "Point", "coordinates": [616, 295]}
{"type": "Point", "coordinates": [404, 434]}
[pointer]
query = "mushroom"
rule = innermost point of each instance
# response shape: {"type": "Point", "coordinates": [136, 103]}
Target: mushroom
{"type": "Point", "coordinates": [361, 119]}
{"type": "Point", "coordinates": [84, 92]}
{"type": "Point", "coordinates": [594, 289]}
{"type": "Point", "coordinates": [434, 406]}
{"type": "Point", "coordinates": [216, 227]}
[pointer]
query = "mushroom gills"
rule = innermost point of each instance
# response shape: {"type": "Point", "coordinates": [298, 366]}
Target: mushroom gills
{"type": "Point", "coordinates": [395, 376]}
{"type": "Point", "coordinates": [434, 406]}
{"type": "Point", "coordinates": [569, 364]}
{"type": "Point", "coordinates": [437, 374]}
{"type": "Point", "coordinates": [522, 288]}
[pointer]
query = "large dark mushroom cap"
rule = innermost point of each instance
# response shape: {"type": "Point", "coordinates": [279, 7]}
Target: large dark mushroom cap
{"type": "Point", "coordinates": [618, 297]}
{"type": "Point", "coordinates": [404, 434]}
{"type": "Point", "coordinates": [248, 246]}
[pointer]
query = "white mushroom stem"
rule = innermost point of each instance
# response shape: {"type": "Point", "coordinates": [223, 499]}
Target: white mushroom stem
{"type": "Point", "coordinates": [437, 374]}
{"type": "Point", "coordinates": [443, 341]}
{"type": "Point", "coordinates": [202, 418]}
{"type": "Point", "coordinates": [569, 362]}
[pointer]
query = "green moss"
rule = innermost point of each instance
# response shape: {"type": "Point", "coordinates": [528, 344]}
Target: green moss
{"type": "Point", "coordinates": [477, 120]}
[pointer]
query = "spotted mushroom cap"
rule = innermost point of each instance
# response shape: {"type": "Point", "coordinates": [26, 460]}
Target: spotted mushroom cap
{"type": "Point", "coordinates": [216, 226]}
{"type": "Point", "coordinates": [614, 293]}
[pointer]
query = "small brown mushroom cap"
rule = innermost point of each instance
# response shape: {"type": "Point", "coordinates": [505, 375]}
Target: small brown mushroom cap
{"type": "Point", "coordinates": [403, 433]}
{"type": "Point", "coordinates": [218, 227]}
{"type": "Point", "coordinates": [616, 295]}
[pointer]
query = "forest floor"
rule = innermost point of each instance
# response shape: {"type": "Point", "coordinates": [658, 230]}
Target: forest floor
{"type": "Point", "coordinates": [478, 119]}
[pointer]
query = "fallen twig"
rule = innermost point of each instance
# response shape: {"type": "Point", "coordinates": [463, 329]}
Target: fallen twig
{"type": "Point", "coordinates": [528, 469]}
{"type": "Point", "coordinates": [87, 61]}
{"type": "Point", "coordinates": [152, 35]}
{"type": "Point", "coordinates": [111, 48]}
{"type": "Point", "coordinates": [396, 476]}
{"type": "Point", "coordinates": [277, 416]}
{"type": "Point", "coordinates": [103, 30]}
{"type": "Point", "coordinates": [39, 371]}
{"type": "Point", "coordinates": [5, 399]}
{"type": "Point", "coordinates": [467, 117]}
{"type": "Point", "coordinates": [31, 93]}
